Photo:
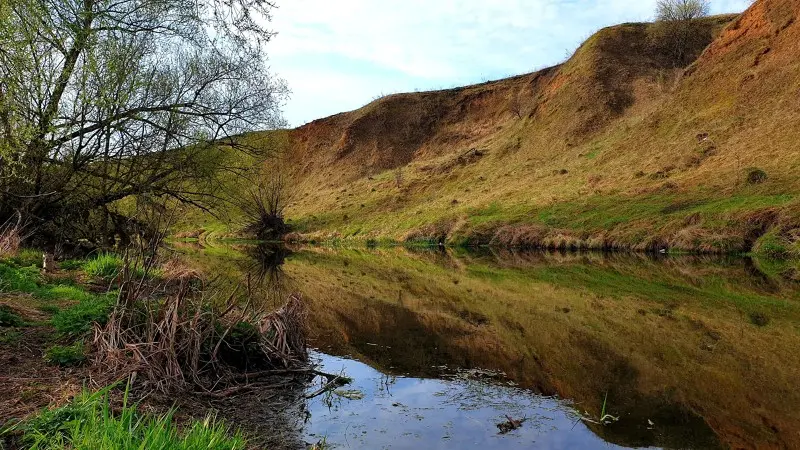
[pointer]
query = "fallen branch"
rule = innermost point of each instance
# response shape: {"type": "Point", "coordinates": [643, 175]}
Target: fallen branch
{"type": "Point", "coordinates": [332, 384]}
{"type": "Point", "coordinates": [237, 390]}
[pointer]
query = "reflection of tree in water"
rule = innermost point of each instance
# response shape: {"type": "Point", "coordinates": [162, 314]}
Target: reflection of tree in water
{"type": "Point", "coordinates": [265, 274]}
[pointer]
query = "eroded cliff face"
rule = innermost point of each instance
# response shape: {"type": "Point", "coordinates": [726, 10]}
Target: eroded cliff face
{"type": "Point", "coordinates": [615, 147]}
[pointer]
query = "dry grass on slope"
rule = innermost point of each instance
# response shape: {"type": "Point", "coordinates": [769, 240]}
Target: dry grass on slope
{"type": "Point", "coordinates": [615, 147]}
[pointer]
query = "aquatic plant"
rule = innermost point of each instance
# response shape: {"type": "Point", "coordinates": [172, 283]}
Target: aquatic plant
{"type": "Point", "coordinates": [606, 418]}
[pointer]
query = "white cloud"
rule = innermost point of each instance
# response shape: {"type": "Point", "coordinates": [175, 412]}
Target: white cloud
{"type": "Point", "coordinates": [337, 55]}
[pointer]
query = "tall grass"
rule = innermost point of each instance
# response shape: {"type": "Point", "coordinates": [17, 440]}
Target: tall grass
{"type": "Point", "coordinates": [105, 266]}
{"type": "Point", "coordinates": [88, 422]}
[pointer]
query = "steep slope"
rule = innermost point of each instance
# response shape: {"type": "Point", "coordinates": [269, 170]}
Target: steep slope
{"type": "Point", "coordinates": [613, 148]}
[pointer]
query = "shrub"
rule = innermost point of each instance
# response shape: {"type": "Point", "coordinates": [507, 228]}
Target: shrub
{"type": "Point", "coordinates": [677, 35]}
{"type": "Point", "coordinates": [759, 319]}
{"type": "Point", "coordinates": [105, 266]}
{"type": "Point", "coordinates": [756, 175]}
{"type": "Point", "coordinates": [8, 318]}
{"type": "Point", "coordinates": [680, 10]}
{"type": "Point", "coordinates": [66, 355]}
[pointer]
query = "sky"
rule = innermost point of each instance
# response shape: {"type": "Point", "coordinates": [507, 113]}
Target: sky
{"type": "Point", "coordinates": [339, 55]}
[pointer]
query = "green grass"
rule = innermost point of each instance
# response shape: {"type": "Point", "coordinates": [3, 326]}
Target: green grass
{"type": "Point", "coordinates": [71, 264]}
{"type": "Point", "coordinates": [66, 355]}
{"type": "Point", "coordinates": [8, 318]}
{"type": "Point", "coordinates": [772, 246]}
{"type": "Point", "coordinates": [89, 422]}
{"type": "Point", "coordinates": [79, 319]}
{"type": "Point", "coordinates": [26, 257]}
{"type": "Point", "coordinates": [104, 266]}
{"type": "Point", "coordinates": [73, 320]}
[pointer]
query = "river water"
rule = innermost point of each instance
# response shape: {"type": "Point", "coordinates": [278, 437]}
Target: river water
{"type": "Point", "coordinates": [442, 347]}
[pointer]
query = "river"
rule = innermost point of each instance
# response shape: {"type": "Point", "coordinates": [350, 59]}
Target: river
{"type": "Point", "coordinates": [444, 347]}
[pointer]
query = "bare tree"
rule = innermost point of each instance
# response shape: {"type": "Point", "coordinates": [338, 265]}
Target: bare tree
{"type": "Point", "coordinates": [515, 105]}
{"type": "Point", "coordinates": [104, 100]}
{"type": "Point", "coordinates": [681, 10]}
{"type": "Point", "coordinates": [677, 33]}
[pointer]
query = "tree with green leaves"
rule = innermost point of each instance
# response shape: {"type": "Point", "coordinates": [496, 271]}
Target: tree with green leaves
{"type": "Point", "coordinates": [104, 101]}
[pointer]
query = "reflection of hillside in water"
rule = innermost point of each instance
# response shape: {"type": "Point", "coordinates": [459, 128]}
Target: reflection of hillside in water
{"type": "Point", "coordinates": [669, 339]}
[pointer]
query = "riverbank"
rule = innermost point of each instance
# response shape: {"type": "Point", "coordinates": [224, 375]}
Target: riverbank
{"type": "Point", "coordinates": [52, 370]}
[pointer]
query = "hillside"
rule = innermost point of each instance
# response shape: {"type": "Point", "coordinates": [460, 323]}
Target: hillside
{"type": "Point", "coordinates": [615, 148]}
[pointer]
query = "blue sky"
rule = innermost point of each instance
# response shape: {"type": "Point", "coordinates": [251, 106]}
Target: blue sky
{"type": "Point", "coordinates": [339, 55]}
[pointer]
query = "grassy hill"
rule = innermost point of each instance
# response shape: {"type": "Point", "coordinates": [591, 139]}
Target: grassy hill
{"type": "Point", "coordinates": [615, 148]}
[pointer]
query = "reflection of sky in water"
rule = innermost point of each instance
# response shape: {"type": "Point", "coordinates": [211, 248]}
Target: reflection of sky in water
{"type": "Point", "coordinates": [415, 413]}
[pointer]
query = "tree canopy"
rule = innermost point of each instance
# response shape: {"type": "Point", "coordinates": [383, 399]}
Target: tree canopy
{"type": "Point", "coordinates": [102, 100]}
{"type": "Point", "coordinates": [677, 32]}
{"type": "Point", "coordinates": [676, 10]}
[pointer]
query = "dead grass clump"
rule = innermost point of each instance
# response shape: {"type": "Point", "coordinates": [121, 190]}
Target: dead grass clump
{"type": "Point", "coordinates": [519, 236]}
{"type": "Point", "coordinates": [190, 339]}
{"type": "Point", "coordinates": [178, 269]}
{"type": "Point", "coordinates": [435, 233]}
{"type": "Point", "coordinates": [194, 234]}
{"type": "Point", "coordinates": [466, 158]}
{"type": "Point", "coordinates": [10, 239]}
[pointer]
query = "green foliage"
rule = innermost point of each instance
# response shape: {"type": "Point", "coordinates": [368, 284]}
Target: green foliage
{"type": "Point", "coordinates": [18, 279]}
{"type": "Point", "coordinates": [88, 422]}
{"type": "Point", "coordinates": [74, 320]}
{"type": "Point", "coordinates": [49, 309]}
{"type": "Point", "coordinates": [105, 266]}
{"type": "Point", "coordinates": [25, 257]}
{"type": "Point", "coordinates": [78, 319]}
{"type": "Point", "coordinates": [9, 318]}
{"type": "Point", "coordinates": [66, 355]}
{"type": "Point", "coordinates": [71, 264]}
{"type": "Point", "coordinates": [770, 245]}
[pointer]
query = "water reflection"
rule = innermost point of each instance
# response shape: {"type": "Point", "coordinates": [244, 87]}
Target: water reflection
{"type": "Point", "coordinates": [413, 413]}
{"type": "Point", "coordinates": [672, 342]}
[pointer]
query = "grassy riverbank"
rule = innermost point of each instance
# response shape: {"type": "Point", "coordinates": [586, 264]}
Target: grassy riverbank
{"type": "Point", "coordinates": [47, 360]}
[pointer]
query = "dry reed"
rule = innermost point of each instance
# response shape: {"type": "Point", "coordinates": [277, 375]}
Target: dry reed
{"type": "Point", "coordinates": [175, 335]}
{"type": "Point", "coordinates": [10, 239]}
